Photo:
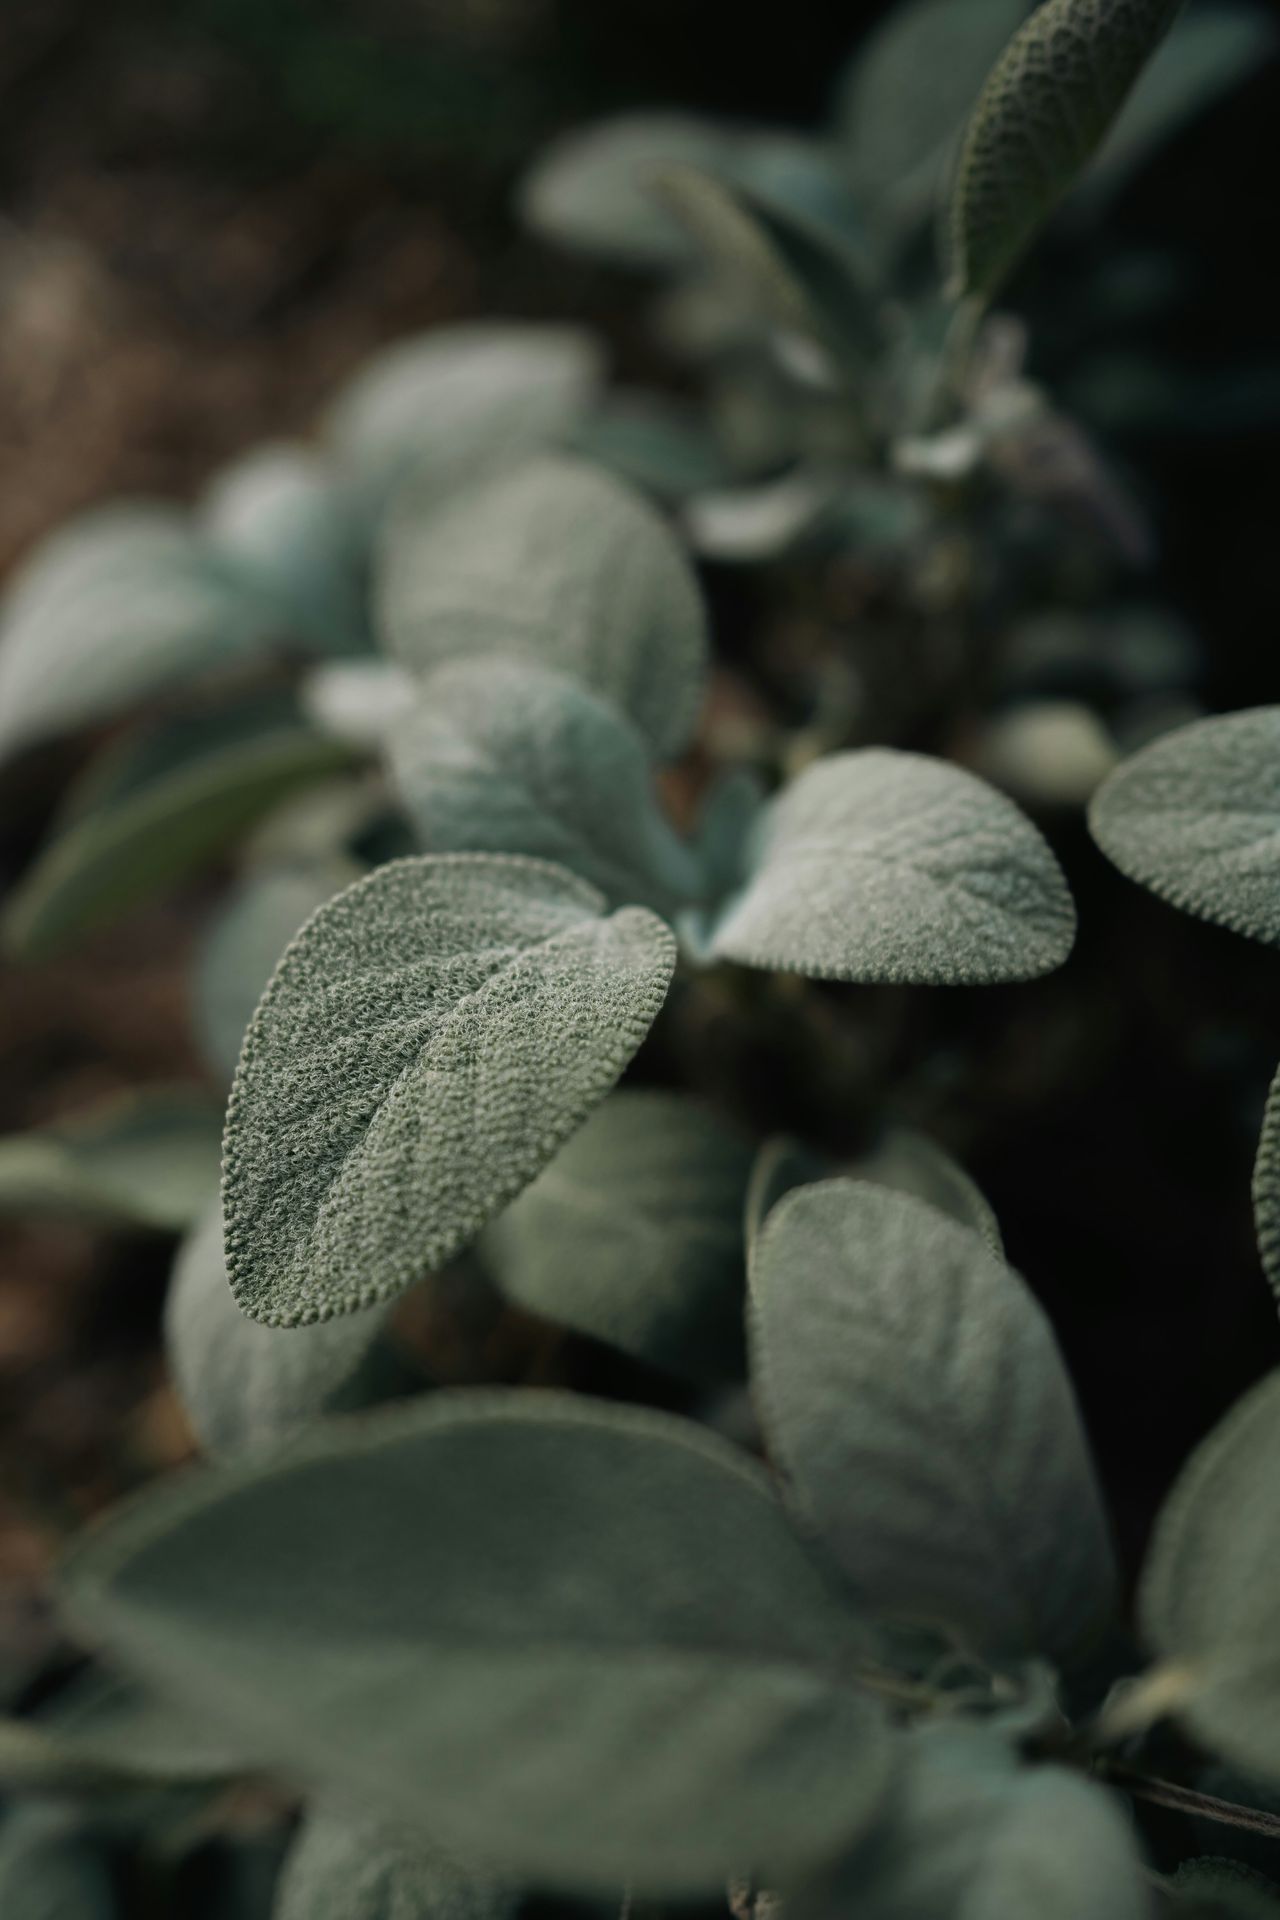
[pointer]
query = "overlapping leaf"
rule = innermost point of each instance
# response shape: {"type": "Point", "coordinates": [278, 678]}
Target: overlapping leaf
{"type": "Point", "coordinates": [146, 1159]}
{"type": "Point", "coordinates": [345, 1866]}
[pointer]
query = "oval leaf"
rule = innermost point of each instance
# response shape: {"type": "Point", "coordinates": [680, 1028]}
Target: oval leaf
{"type": "Point", "coordinates": [429, 1040]}
{"type": "Point", "coordinates": [884, 866]}
{"type": "Point", "coordinates": [591, 190]}
{"type": "Point", "coordinates": [146, 1159]}
{"type": "Point", "coordinates": [346, 1866]}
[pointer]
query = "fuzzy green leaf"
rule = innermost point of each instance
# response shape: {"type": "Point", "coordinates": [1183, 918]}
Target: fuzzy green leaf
{"type": "Point", "coordinates": [101, 1732]}
{"type": "Point", "coordinates": [501, 756]}
{"type": "Point", "coordinates": [49, 1871]}
{"type": "Point", "coordinates": [560, 563]}
{"type": "Point", "coordinates": [155, 808]}
{"type": "Point", "coordinates": [1044, 111]}
{"type": "Point", "coordinates": [1196, 817]}
{"type": "Point", "coordinates": [633, 1234]}
{"type": "Point", "coordinates": [915, 1395]}
{"type": "Point", "coordinates": [591, 190]}
{"type": "Point", "coordinates": [654, 443]}
{"type": "Point", "coordinates": [575, 1641]}
{"type": "Point", "coordinates": [1266, 1189]}
{"type": "Point", "coordinates": [884, 866]}
{"type": "Point", "coordinates": [346, 1866]}
{"type": "Point", "coordinates": [1209, 1591]}
{"type": "Point", "coordinates": [912, 1163]}
{"type": "Point", "coordinates": [146, 1159]}
{"type": "Point", "coordinates": [429, 1040]}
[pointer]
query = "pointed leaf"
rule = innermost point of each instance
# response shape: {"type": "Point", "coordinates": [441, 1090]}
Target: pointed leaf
{"type": "Point", "coordinates": [884, 866]}
{"type": "Point", "coordinates": [915, 1394]}
{"type": "Point", "coordinates": [429, 1040]}
{"type": "Point", "coordinates": [346, 1866]}
{"type": "Point", "coordinates": [145, 1159]}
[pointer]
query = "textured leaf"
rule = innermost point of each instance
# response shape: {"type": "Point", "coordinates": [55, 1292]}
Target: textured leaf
{"type": "Point", "coordinates": [1209, 1591]}
{"type": "Point", "coordinates": [242, 1384]}
{"type": "Point", "coordinates": [429, 1040]}
{"type": "Point", "coordinates": [884, 866]}
{"type": "Point", "coordinates": [914, 1393]}
{"type": "Point", "coordinates": [346, 1866]}
{"type": "Point", "coordinates": [439, 408]}
{"type": "Point", "coordinates": [155, 808]}
{"type": "Point", "coordinates": [1196, 817]}
{"type": "Point", "coordinates": [671, 1712]}
{"type": "Point", "coordinates": [562, 564]}
{"type": "Point", "coordinates": [1266, 1189]}
{"type": "Point", "coordinates": [912, 1163]}
{"type": "Point", "coordinates": [117, 606]}
{"type": "Point", "coordinates": [500, 756]}
{"type": "Point", "coordinates": [591, 190]}
{"type": "Point", "coordinates": [49, 1871]}
{"type": "Point", "coordinates": [147, 1159]}
{"type": "Point", "coordinates": [633, 1234]}
{"type": "Point", "coordinates": [1048, 103]}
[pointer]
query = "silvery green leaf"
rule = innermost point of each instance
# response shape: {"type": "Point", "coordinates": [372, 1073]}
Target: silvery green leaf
{"type": "Point", "coordinates": [781, 1164]}
{"type": "Point", "coordinates": [885, 866]}
{"type": "Point", "coordinates": [633, 1234]}
{"type": "Point", "coordinates": [156, 806]}
{"type": "Point", "coordinates": [1266, 1189]}
{"type": "Point", "coordinates": [243, 945]}
{"type": "Point", "coordinates": [49, 1870]}
{"type": "Point", "coordinates": [1042, 114]}
{"type": "Point", "coordinates": [279, 518]}
{"type": "Point", "coordinates": [243, 1385]}
{"type": "Point", "coordinates": [655, 444]}
{"type": "Point", "coordinates": [912, 1163]}
{"type": "Point", "coordinates": [1195, 816]}
{"type": "Point", "coordinates": [144, 1159]}
{"type": "Point", "coordinates": [384, 1608]}
{"type": "Point", "coordinates": [915, 1396]}
{"type": "Point", "coordinates": [560, 563]}
{"type": "Point", "coordinates": [1212, 1888]}
{"type": "Point", "coordinates": [117, 606]}
{"type": "Point", "coordinates": [439, 408]}
{"type": "Point", "coordinates": [756, 524]}
{"type": "Point", "coordinates": [591, 189]}
{"type": "Point", "coordinates": [428, 1041]}
{"type": "Point", "coordinates": [1207, 1603]}
{"type": "Point", "coordinates": [356, 701]}
{"type": "Point", "coordinates": [1047, 753]}
{"type": "Point", "coordinates": [100, 1732]}
{"type": "Point", "coordinates": [503, 756]}
{"type": "Point", "coordinates": [347, 1866]}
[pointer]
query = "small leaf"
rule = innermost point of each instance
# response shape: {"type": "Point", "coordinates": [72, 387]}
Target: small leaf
{"type": "Point", "coordinates": [1196, 817]}
{"type": "Point", "coordinates": [591, 190]}
{"type": "Point", "coordinates": [357, 701]}
{"type": "Point", "coordinates": [157, 806]}
{"type": "Point", "coordinates": [346, 1866]}
{"type": "Point", "coordinates": [573, 1640]}
{"type": "Point", "coordinates": [912, 1163]}
{"type": "Point", "coordinates": [559, 563]}
{"type": "Point", "coordinates": [242, 1384]}
{"type": "Point", "coordinates": [885, 866]}
{"type": "Point", "coordinates": [429, 1040]}
{"type": "Point", "coordinates": [1208, 1597]}
{"type": "Point", "coordinates": [915, 1394]}
{"type": "Point", "coordinates": [1048, 103]}
{"type": "Point", "coordinates": [49, 1871]}
{"type": "Point", "coordinates": [633, 1234]}
{"type": "Point", "coordinates": [500, 756]}
{"type": "Point", "coordinates": [144, 1159]}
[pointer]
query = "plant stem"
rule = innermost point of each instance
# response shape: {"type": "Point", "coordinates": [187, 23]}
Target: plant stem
{"type": "Point", "coordinates": [1207, 1806]}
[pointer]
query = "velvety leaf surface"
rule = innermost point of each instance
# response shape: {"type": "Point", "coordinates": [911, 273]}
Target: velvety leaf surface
{"type": "Point", "coordinates": [914, 1394]}
{"type": "Point", "coordinates": [148, 1159]}
{"type": "Point", "coordinates": [49, 1871]}
{"type": "Point", "coordinates": [573, 1640]}
{"type": "Point", "coordinates": [1039, 119]}
{"type": "Point", "coordinates": [1196, 817]}
{"type": "Point", "coordinates": [1266, 1189]}
{"type": "Point", "coordinates": [429, 1040]}
{"type": "Point", "coordinates": [346, 1866]}
{"type": "Point", "coordinates": [1208, 1596]}
{"type": "Point", "coordinates": [502, 756]}
{"type": "Point", "coordinates": [781, 1164]}
{"type": "Point", "coordinates": [633, 1234]}
{"type": "Point", "coordinates": [886, 866]}
{"type": "Point", "coordinates": [242, 1384]}
{"type": "Point", "coordinates": [559, 563]}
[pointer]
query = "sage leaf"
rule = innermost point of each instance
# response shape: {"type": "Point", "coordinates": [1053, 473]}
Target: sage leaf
{"type": "Point", "coordinates": [347, 1866]}
{"type": "Point", "coordinates": [1207, 1599]}
{"type": "Point", "coordinates": [671, 1714]}
{"type": "Point", "coordinates": [242, 1384]}
{"type": "Point", "coordinates": [591, 189]}
{"type": "Point", "coordinates": [49, 1870]}
{"type": "Point", "coordinates": [781, 1164]}
{"type": "Point", "coordinates": [885, 866]}
{"type": "Point", "coordinates": [910, 1162]}
{"type": "Point", "coordinates": [498, 756]}
{"type": "Point", "coordinates": [1211, 1888]}
{"type": "Point", "coordinates": [147, 1159]}
{"type": "Point", "coordinates": [157, 806]}
{"type": "Point", "coordinates": [1043, 113]}
{"type": "Point", "coordinates": [429, 1040]}
{"type": "Point", "coordinates": [633, 1234]}
{"type": "Point", "coordinates": [101, 1732]}
{"type": "Point", "coordinates": [1266, 1189]}
{"type": "Point", "coordinates": [655, 444]}
{"type": "Point", "coordinates": [1195, 817]}
{"type": "Point", "coordinates": [559, 563]}
{"type": "Point", "coordinates": [915, 1396]}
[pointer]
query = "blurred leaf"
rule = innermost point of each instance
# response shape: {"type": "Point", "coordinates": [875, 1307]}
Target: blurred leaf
{"type": "Point", "coordinates": [911, 1163]}
{"type": "Point", "coordinates": [591, 189]}
{"type": "Point", "coordinates": [429, 1040]}
{"type": "Point", "coordinates": [763, 522]}
{"type": "Point", "coordinates": [49, 1871]}
{"type": "Point", "coordinates": [559, 563]}
{"type": "Point", "coordinates": [914, 1394]}
{"type": "Point", "coordinates": [345, 1866]}
{"type": "Point", "coordinates": [633, 1235]}
{"type": "Point", "coordinates": [356, 701]}
{"type": "Point", "coordinates": [886, 866]}
{"type": "Point", "coordinates": [780, 1165]}
{"type": "Point", "coordinates": [1214, 1889]}
{"type": "Point", "coordinates": [654, 444]}
{"type": "Point", "coordinates": [145, 1159]}
{"type": "Point", "coordinates": [576, 1641]}
{"type": "Point", "coordinates": [101, 1732]}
